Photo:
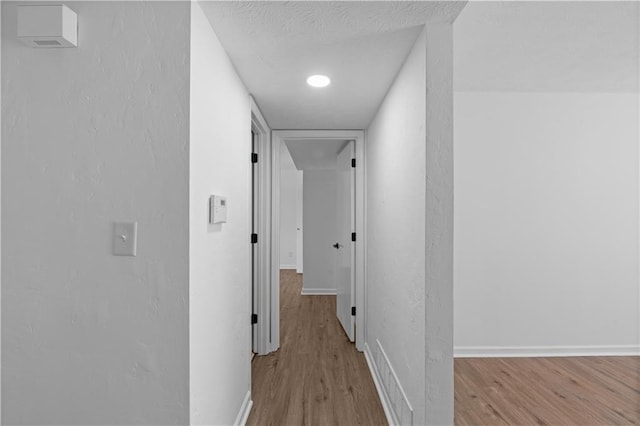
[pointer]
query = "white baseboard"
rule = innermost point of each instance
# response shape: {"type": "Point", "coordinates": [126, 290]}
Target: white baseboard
{"type": "Point", "coordinates": [543, 351]}
{"type": "Point", "coordinates": [245, 409]}
{"type": "Point", "coordinates": [287, 266]}
{"type": "Point", "coordinates": [318, 291]}
{"type": "Point", "coordinates": [377, 381]}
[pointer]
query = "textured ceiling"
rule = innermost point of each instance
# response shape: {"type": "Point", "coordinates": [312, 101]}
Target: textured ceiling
{"type": "Point", "coordinates": [316, 154]}
{"type": "Point", "coordinates": [360, 45]}
{"type": "Point", "coordinates": [547, 46]}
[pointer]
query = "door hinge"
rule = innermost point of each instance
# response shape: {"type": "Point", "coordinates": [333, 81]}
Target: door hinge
{"type": "Point", "coordinates": [254, 157]}
{"type": "Point", "coordinates": [353, 236]}
{"type": "Point", "coordinates": [353, 162]}
{"type": "Point", "coordinates": [254, 238]}
{"type": "Point", "coordinates": [254, 318]}
{"type": "Point", "coordinates": [353, 311]}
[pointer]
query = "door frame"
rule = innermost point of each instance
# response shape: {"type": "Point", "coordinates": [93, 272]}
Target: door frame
{"type": "Point", "coordinates": [277, 137]}
{"type": "Point", "coordinates": [262, 287]}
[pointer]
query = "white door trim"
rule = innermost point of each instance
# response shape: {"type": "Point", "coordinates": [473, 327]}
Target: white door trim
{"type": "Point", "coordinates": [263, 264]}
{"type": "Point", "coordinates": [277, 137]}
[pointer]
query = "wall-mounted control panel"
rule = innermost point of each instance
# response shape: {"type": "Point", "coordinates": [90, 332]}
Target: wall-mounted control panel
{"type": "Point", "coordinates": [217, 209]}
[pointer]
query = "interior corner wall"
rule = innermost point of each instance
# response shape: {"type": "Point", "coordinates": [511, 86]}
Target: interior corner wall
{"type": "Point", "coordinates": [395, 203]}
{"type": "Point", "coordinates": [320, 228]}
{"type": "Point", "coordinates": [93, 135]}
{"type": "Point", "coordinates": [220, 255]}
{"type": "Point", "coordinates": [289, 195]}
{"type": "Point", "coordinates": [546, 220]}
{"type": "Point", "coordinates": [439, 225]}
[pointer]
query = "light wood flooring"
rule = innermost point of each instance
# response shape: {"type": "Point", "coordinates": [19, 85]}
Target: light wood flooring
{"type": "Point", "coordinates": [547, 391]}
{"type": "Point", "coordinates": [317, 377]}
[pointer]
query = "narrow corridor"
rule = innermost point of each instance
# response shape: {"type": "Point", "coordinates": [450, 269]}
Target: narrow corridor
{"type": "Point", "coordinates": [317, 377]}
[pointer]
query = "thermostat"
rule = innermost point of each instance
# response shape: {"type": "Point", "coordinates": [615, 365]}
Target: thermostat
{"type": "Point", "coordinates": [217, 209]}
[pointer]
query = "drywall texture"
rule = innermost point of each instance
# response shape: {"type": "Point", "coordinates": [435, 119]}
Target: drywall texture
{"type": "Point", "coordinates": [90, 136]}
{"type": "Point", "coordinates": [290, 192]}
{"type": "Point", "coordinates": [319, 222]}
{"type": "Point", "coordinates": [546, 219]}
{"type": "Point", "coordinates": [396, 189]}
{"type": "Point", "coordinates": [584, 46]}
{"type": "Point", "coordinates": [410, 203]}
{"type": "Point", "coordinates": [439, 225]}
{"type": "Point", "coordinates": [220, 256]}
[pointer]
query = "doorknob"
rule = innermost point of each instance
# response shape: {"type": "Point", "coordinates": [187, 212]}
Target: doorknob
{"type": "Point", "coordinates": [336, 245]}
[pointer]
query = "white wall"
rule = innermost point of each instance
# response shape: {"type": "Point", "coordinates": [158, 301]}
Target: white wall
{"type": "Point", "coordinates": [439, 225]}
{"type": "Point", "coordinates": [220, 257]}
{"type": "Point", "coordinates": [546, 223]}
{"type": "Point", "coordinates": [396, 176]}
{"type": "Point", "coordinates": [409, 299]}
{"type": "Point", "coordinates": [90, 136]}
{"type": "Point", "coordinates": [290, 193]}
{"type": "Point", "coordinates": [319, 223]}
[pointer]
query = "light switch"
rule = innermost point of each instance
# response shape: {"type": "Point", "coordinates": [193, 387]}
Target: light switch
{"type": "Point", "coordinates": [125, 235]}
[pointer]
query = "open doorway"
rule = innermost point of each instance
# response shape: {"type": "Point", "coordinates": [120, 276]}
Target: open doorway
{"type": "Point", "coordinates": [317, 189]}
{"type": "Point", "coordinates": [267, 259]}
{"type": "Point", "coordinates": [315, 154]}
{"type": "Point", "coordinates": [291, 211]}
{"type": "Point", "coordinates": [314, 180]}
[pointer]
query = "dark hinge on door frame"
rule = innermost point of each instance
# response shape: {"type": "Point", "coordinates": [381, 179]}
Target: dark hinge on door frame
{"type": "Point", "coordinates": [254, 318]}
{"type": "Point", "coordinates": [353, 311]}
{"type": "Point", "coordinates": [353, 162]}
{"type": "Point", "coordinates": [254, 157]}
{"type": "Point", "coordinates": [353, 236]}
{"type": "Point", "coordinates": [254, 238]}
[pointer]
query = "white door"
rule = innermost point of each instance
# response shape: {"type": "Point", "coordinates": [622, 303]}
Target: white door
{"type": "Point", "coordinates": [299, 216]}
{"type": "Point", "coordinates": [345, 247]}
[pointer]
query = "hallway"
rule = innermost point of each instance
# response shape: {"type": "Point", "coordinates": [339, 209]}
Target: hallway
{"type": "Point", "coordinates": [316, 377]}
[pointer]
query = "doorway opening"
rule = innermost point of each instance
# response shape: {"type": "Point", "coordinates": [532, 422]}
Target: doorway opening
{"type": "Point", "coordinates": [341, 258]}
{"type": "Point", "coordinates": [317, 188]}
{"type": "Point", "coordinates": [265, 302]}
{"type": "Point", "coordinates": [323, 328]}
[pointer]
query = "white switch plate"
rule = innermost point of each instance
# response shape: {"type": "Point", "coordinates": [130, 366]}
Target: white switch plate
{"type": "Point", "coordinates": [125, 236]}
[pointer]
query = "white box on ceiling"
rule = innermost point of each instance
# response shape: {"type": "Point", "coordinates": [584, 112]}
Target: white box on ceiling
{"type": "Point", "coordinates": [47, 26]}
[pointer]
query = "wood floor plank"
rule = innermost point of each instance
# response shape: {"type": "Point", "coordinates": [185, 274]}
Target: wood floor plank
{"type": "Point", "coordinates": [547, 391]}
{"type": "Point", "coordinates": [317, 377]}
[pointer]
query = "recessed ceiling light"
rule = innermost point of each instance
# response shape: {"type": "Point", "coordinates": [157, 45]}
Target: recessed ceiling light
{"type": "Point", "coordinates": [318, 80]}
